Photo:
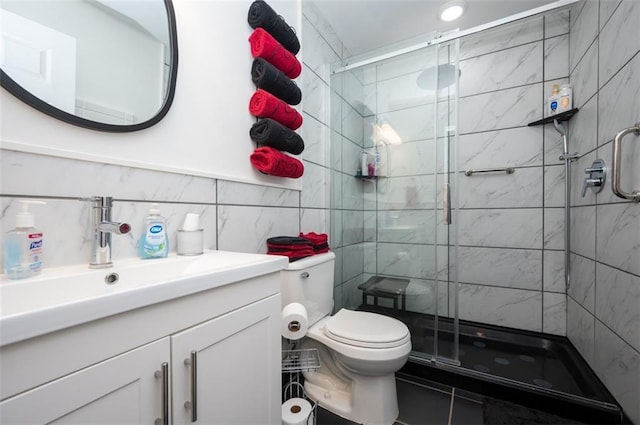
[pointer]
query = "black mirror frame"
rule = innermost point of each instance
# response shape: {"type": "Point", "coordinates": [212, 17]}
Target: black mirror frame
{"type": "Point", "coordinates": [18, 91]}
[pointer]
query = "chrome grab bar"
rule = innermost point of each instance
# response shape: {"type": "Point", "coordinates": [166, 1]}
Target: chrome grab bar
{"type": "Point", "coordinates": [508, 170]}
{"type": "Point", "coordinates": [617, 153]}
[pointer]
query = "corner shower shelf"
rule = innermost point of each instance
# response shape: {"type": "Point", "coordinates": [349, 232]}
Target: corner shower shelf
{"type": "Point", "coordinates": [562, 116]}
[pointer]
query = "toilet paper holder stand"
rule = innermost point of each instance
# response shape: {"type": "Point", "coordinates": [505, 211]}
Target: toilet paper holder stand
{"type": "Point", "coordinates": [294, 362]}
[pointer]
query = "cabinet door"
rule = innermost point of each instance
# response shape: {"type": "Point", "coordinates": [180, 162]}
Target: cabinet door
{"type": "Point", "coordinates": [237, 373]}
{"type": "Point", "coordinates": [121, 390]}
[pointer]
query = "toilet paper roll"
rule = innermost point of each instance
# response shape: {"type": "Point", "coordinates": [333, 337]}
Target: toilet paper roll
{"type": "Point", "coordinates": [294, 321]}
{"type": "Point", "coordinates": [296, 411]}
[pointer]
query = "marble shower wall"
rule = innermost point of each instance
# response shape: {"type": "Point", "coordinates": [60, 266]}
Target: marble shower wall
{"type": "Point", "coordinates": [511, 226]}
{"type": "Point", "coordinates": [235, 216]}
{"type": "Point", "coordinates": [604, 297]}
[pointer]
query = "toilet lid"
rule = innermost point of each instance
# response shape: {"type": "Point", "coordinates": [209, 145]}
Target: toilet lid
{"type": "Point", "coordinates": [364, 329]}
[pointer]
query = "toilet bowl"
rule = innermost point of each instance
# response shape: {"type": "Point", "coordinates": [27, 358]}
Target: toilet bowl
{"type": "Point", "coordinates": [359, 351]}
{"type": "Point", "coordinates": [359, 354]}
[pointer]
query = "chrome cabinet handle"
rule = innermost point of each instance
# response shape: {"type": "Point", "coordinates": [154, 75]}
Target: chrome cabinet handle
{"type": "Point", "coordinates": [617, 153]}
{"type": "Point", "coordinates": [164, 374]}
{"type": "Point", "coordinates": [193, 404]}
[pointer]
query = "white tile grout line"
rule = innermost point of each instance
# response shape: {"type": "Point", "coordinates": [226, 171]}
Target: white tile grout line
{"type": "Point", "coordinates": [453, 396]}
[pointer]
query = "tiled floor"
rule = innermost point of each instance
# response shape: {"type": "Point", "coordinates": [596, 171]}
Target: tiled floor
{"type": "Point", "coordinates": [423, 405]}
{"type": "Point", "coordinates": [429, 403]}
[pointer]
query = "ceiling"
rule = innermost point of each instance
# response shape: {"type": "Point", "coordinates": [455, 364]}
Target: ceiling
{"type": "Point", "coordinates": [366, 25]}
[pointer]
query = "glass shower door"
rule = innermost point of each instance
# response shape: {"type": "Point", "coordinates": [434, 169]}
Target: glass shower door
{"type": "Point", "coordinates": [393, 179]}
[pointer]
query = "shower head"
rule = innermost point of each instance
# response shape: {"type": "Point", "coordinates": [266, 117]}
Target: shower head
{"type": "Point", "coordinates": [445, 73]}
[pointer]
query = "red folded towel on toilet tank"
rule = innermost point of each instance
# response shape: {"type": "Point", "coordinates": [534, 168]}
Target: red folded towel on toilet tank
{"type": "Point", "coordinates": [295, 254]}
{"type": "Point", "coordinates": [319, 241]}
{"type": "Point", "coordinates": [264, 46]}
{"type": "Point", "coordinates": [275, 163]}
{"type": "Point", "coordinates": [265, 105]}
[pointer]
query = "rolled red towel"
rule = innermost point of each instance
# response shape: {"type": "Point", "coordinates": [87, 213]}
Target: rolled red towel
{"type": "Point", "coordinates": [264, 46]}
{"type": "Point", "coordinates": [275, 163]}
{"type": "Point", "coordinates": [265, 105]}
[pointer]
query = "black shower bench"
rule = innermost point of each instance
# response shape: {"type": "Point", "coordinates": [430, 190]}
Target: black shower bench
{"type": "Point", "coordinates": [385, 287]}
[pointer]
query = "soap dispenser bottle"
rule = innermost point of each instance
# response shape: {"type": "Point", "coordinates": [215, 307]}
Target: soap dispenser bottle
{"type": "Point", "coordinates": [154, 242]}
{"type": "Point", "coordinates": [23, 249]}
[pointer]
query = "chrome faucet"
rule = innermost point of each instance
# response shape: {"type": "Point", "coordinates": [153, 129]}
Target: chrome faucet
{"type": "Point", "coordinates": [103, 228]}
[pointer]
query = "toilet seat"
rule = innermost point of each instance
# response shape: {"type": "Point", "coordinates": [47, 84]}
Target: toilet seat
{"type": "Point", "coordinates": [366, 330]}
{"type": "Point", "coordinates": [397, 348]}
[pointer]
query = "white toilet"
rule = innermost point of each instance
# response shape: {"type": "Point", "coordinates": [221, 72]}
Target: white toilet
{"type": "Point", "coordinates": [359, 351]}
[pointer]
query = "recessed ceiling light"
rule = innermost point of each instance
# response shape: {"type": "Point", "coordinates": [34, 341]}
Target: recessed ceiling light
{"type": "Point", "coordinates": [452, 10]}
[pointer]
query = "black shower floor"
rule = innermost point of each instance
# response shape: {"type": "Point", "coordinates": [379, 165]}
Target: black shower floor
{"type": "Point", "coordinates": [509, 363]}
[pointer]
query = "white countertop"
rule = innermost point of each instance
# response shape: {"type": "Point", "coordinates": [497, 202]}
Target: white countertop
{"type": "Point", "coordinates": [62, 297]}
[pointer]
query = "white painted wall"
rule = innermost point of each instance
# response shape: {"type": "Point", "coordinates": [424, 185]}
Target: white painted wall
{"type": "Point", "coordinates": [206, 132]}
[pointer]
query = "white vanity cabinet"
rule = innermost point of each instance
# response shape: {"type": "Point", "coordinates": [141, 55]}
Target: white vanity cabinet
{"type": "Point", "coordinates": [121, 390]}
{"type": "Point", "coordinates": [235, 366]}
{"type": "Point", "coordinates": [109, 371]}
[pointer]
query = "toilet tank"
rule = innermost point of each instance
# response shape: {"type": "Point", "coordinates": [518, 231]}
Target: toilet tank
{"type": "Point", "coordinates": [310, 282]}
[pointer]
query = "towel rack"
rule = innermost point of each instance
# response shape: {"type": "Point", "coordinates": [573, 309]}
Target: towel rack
{"type": "Point", "coordinates": [617, 153]}
{"type": "Point", "coordinates": [508, 170]}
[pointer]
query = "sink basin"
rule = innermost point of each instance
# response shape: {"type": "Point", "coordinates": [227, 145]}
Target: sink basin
{"type": "Point", "coordinates": [62, 297]}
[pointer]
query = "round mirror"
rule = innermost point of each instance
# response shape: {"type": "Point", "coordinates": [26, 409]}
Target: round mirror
{"type": "Point", "coordinates": [108, 65]}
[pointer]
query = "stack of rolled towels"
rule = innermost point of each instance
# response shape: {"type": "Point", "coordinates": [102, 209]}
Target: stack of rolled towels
{"type": "Point", "coordinates": [274, 45]}
{"type": "Point", "coordinates": [298, 247]}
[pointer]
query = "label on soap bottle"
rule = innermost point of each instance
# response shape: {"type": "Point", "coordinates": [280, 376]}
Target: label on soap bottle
{"type": "Point", "coordinates": [155, 242]}
{"type": "Point", "coordinates": [34, 251]}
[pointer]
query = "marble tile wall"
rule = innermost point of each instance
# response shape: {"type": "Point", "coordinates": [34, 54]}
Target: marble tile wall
{"type": "Point", "coordinates": [604, 297]}
{"type": "Point", "coordinates": [235, 216]}
{"type": "Point", "coordinates": [338, 196]}
{"type": "Point", "coordinates": [511, 226]}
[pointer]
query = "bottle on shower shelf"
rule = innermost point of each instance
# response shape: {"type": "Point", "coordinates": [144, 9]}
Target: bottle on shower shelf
{"type": "Point", "coordinates": [566, 98]}
{"type": "Point", "coordinates": [377, 163]}
{"type": "Point", "coordinates": [554, 100]}
{"type": "Point", "coordinates": [365, 164]}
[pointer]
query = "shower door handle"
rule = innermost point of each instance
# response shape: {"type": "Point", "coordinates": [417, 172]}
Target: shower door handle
{"type": "Point", "coordinates": [446, 203]}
